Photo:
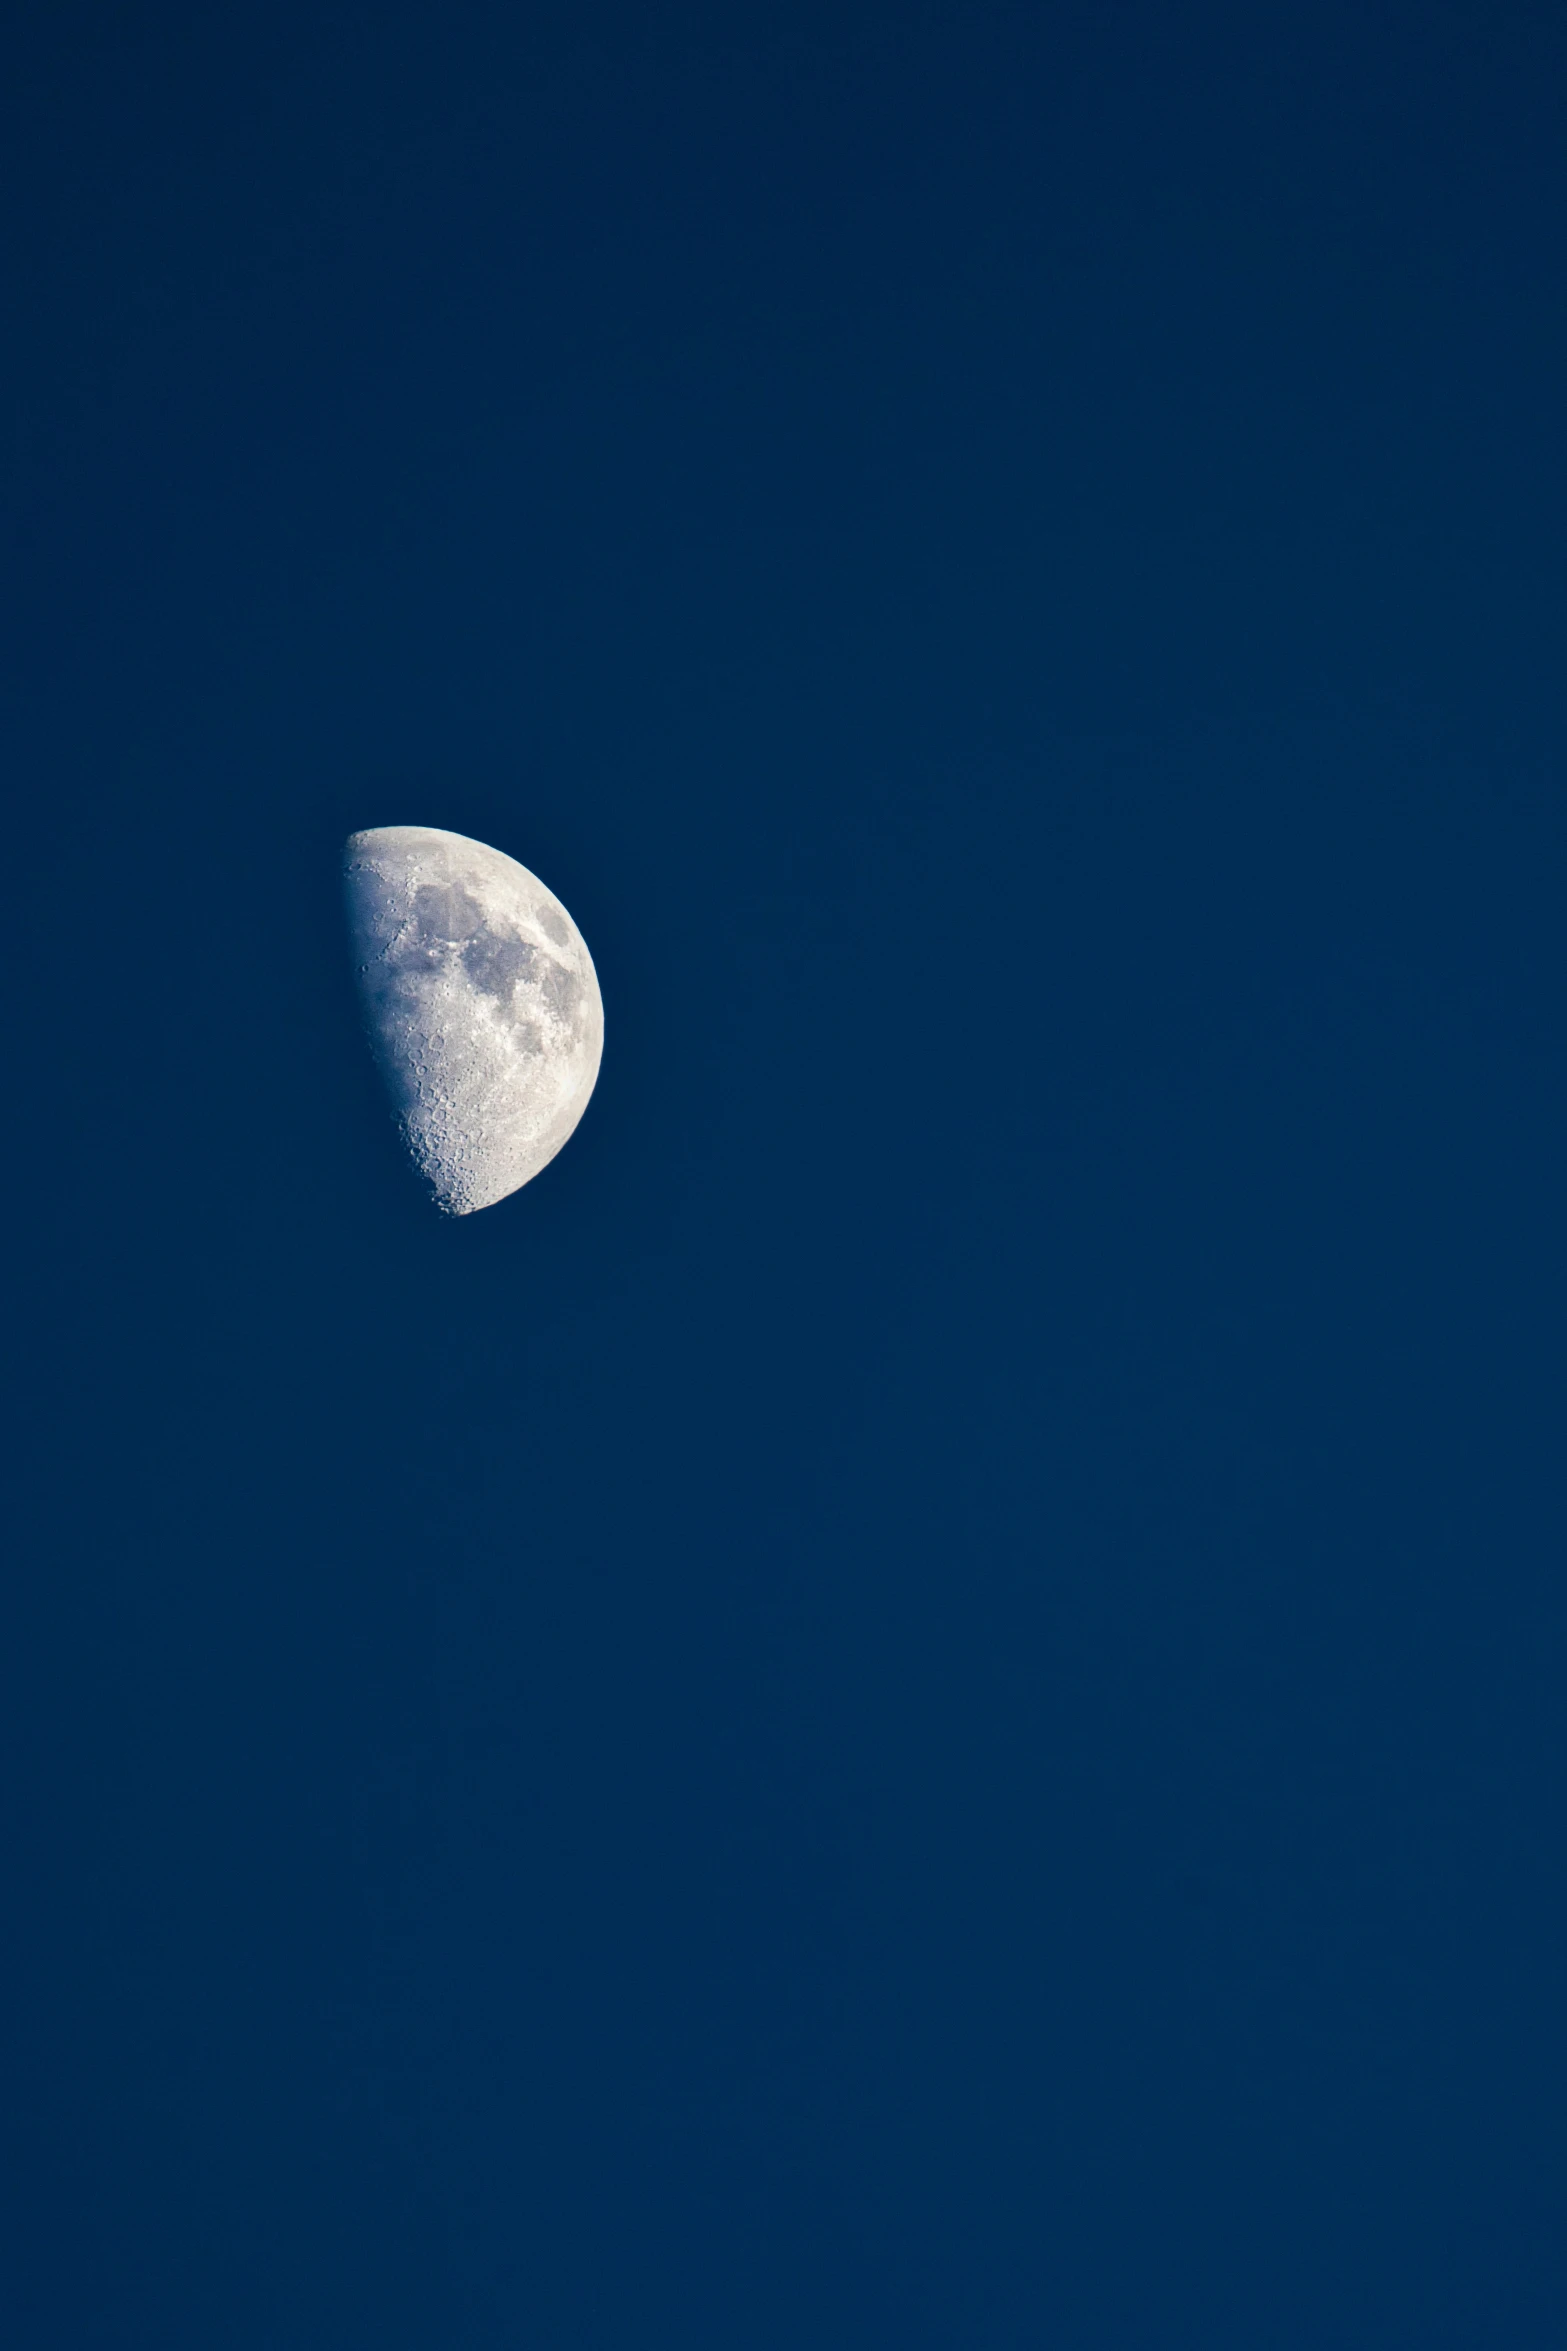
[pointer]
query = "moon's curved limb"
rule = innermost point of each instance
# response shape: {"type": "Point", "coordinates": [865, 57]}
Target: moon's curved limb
{"type": "Point", "coordinates": [482, 1004]}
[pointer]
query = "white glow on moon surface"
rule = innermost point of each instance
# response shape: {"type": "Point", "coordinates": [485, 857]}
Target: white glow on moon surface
{"type": "Point", "coordinates": [482, 1004]}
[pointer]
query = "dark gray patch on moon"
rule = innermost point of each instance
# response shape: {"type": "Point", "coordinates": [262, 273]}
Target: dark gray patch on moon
{"type": "Point", "coordinates": [443, 911]}
{"type": "Point", "coordinates": [496, 964]}
{"type": "Point", "coordinates": [560, 989]}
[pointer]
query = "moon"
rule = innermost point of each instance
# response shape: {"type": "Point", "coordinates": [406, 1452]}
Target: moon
{"type": "Point", "coordinates": [482, 1004]}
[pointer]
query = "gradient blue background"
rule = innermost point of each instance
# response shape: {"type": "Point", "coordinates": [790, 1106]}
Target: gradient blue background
{"type": "Point", "coordinates": [919, 1700]}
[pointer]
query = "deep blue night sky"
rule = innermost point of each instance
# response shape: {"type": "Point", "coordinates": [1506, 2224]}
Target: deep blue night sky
{"type": "Point", "coordinates": [918, 1701]}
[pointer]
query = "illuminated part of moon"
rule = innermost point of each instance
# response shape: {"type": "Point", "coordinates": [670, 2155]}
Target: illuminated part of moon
{"type": "Point", "coordinates": [482, 1004]}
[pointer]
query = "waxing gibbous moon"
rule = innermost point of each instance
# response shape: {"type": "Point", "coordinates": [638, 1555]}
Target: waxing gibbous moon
{"type": "Point", "coordinates": [482, 1004]}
